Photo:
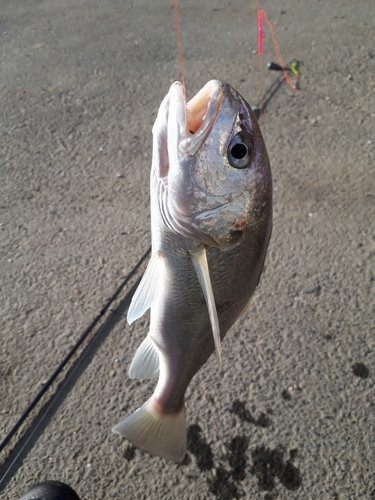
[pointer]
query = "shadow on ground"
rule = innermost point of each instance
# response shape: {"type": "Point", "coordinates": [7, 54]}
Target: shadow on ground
{"type": "Point", "coordinates": [36, 428]}
{"type": "Point", "coordinates": [268, 465]}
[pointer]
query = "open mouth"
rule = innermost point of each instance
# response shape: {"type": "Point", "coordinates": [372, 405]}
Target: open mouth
{"type": "Point", "coordinates": [199, 115]}
{"type": "Point", "coordinates": [197, 107]}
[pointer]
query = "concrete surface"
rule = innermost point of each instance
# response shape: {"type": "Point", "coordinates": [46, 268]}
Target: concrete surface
{"type": "Point", "coordinates": [292, 414]}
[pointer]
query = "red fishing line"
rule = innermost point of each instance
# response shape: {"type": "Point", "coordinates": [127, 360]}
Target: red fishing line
{"type": "Point", "coordinates": [287, 79]}
{"type": "Point", "coordinates": [260, 54]}
{"type": "Point", "coordinates": [260, 33]}
{"type": "Point", "coordinates": [179, 47]}
{"type": "Point", "coordinates": [261, 13]}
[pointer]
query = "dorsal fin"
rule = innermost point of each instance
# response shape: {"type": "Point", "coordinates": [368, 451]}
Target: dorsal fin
{"type": "Point", "coordinates": [145, 293]}
{"type": "Point", "coordinates": [200, 264]}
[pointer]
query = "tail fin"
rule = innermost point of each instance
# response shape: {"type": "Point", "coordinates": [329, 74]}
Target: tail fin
{"type": "Point", "coordinates": [157, 433]}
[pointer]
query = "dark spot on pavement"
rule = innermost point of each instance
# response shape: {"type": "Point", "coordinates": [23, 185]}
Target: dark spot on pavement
{"type": "Point", "coordinates": [239, 409]}
{"type": "Point", "coordinates": [269, 465]}
{"type": "Point", "coordinates": [263, 420]}
{"type": "Point", "coordinates": [237, 458]}
{"type": "Point", "coordinates": [285, 395]}
{"type": "Point", "coordinates": [271, 496]}
{"type": "Point", "coordinates": [360, 370]}
{"type": "Point", "coordinates": [129, 453]}
{"type": "Point", "coordinates": [197, 445]}
{"type": "Point", "coordinates": [223, 486]}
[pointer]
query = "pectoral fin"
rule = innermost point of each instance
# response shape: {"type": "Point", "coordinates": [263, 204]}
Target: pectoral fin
{"type": "Point", "coordinates": [145, 293]}
{"type": "Point", "coordinates": [200, 264]}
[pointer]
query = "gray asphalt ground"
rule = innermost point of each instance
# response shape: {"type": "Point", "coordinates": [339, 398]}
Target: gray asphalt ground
{"type": "Point", "coordinates": [292, 414]}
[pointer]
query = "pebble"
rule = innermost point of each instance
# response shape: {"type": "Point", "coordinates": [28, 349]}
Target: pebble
{"type": "Point", "coordinates": [294, 387]}
{"type": "Point", "coordinates": [191, 473]}
{"type": "Point", "coordinates": [312, 289]}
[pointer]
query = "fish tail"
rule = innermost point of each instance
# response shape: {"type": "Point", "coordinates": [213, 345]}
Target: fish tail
{"type": "Point", "coordinates": [158, 433]}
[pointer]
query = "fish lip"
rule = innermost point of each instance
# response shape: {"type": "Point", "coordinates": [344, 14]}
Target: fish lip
{"type": "Point", "coordinates": [207, 101]}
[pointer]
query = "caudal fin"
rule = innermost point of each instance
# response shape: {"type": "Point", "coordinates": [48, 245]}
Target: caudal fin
{"type": "Point", "coordinates": [157, 433]}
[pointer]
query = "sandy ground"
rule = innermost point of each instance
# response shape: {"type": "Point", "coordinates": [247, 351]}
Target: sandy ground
{"type": "Point", "coordinates": [292, 414]}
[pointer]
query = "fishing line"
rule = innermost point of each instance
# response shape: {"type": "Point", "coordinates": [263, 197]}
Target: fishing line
{"type": "Point", "coordinates": [179, 47]}
{"type": "Point", "coordinates": [58, 370]}
{"type": "Point", "coordinates": [262, 13]}
{"type": "Point", "coordinates": [260, 58]}
{"type": "Point", "coordinates": [287, 79]}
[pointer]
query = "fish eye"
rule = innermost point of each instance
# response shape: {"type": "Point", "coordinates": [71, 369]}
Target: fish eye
{"type": "Point", "coordinates": [240, 150]}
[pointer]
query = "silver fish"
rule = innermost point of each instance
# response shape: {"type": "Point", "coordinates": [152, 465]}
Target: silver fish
{"type": "Point", "coordinates": [211, 222]}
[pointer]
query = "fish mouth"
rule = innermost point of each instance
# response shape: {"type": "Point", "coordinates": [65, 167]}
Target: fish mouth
{"type": "Point", "coordinates": [196, 118]}
{"type": "Point", "coordinates": [188, 127]}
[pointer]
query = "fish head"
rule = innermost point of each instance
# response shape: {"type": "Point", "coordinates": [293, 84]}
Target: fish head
{"type": "Point", "coordinates": [211, 173]}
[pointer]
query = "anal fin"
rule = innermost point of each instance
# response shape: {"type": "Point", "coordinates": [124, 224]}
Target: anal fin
{"type": "Point", "coordinates": [145, 363]}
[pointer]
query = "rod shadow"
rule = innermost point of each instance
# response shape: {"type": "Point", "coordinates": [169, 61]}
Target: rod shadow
{"type": "Point", "coordinates": [36, 428]}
